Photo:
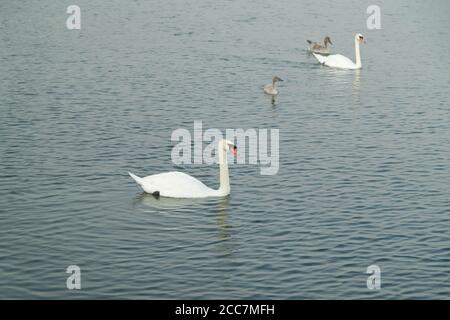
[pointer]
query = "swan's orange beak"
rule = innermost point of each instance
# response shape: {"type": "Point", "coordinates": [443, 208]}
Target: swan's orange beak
{"type": "Point", "coordinates": [233, 150]}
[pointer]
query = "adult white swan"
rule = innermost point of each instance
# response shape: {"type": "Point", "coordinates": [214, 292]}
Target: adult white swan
{"type": "Point", "coordinates": [180, 185]}
{"type": "Point", "coordinates": [341, 62]}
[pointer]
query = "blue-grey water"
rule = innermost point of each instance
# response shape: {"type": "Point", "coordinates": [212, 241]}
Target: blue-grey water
{"type": "Point", "coordinates": [364, 156]}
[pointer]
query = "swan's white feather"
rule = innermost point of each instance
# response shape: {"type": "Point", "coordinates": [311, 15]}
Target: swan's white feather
{"type": "Point", "coordinates": [336, 61]}
{"type": "Point", "coordinates": [174, 184]}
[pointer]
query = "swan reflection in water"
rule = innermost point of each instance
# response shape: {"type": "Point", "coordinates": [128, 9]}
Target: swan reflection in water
{"type": "Point", "coordinates": [344, 80]}
{"type": "Point", "coordinates": [356, 81]}
{"type": "Point", "coordinates": [273, 100]}
{"type": "Point", "coordinates": [164, 203]}
{"type": "Point", "coordinates": [219, 207]}
{"type": "Point", "coordinates": [223, 204]}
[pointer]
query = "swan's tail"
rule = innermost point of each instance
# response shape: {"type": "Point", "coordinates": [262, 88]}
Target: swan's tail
{"type": "Point", "coordinates": [320, 58]}
{"type": "Point", "coordinates": [136, 178]}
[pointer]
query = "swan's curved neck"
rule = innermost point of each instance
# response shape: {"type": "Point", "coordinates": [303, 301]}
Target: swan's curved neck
{"type": "Point", "coordinates": [357, 54]}
{"type": "Point", "coordinates": [274, 84]}
{"type": "Point", "coordinates": [224, 188]}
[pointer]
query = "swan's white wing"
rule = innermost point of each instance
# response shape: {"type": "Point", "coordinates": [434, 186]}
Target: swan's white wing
{"type": "Point", "coordinates": [320, 58]}
{"type": "Point", "coordinates": [336, 61]}
{"type": "Point", "coordinates": [175, 184]}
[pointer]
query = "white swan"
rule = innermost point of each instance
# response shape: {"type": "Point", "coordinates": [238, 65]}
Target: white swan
{"type": "Point", "coordinates": [180, 185]}
{"type": "Point", "coordinates": [272, 88]}
{"type": "Point", "coordinates": [341, 62]}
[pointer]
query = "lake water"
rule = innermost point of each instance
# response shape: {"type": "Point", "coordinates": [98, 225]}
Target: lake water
{"type": "Point", "coordinates": [364, 156]}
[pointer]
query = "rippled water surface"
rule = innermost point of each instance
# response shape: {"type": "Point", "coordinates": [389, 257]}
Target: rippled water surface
{"type": "Point", "coordinates": [364, 156]}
